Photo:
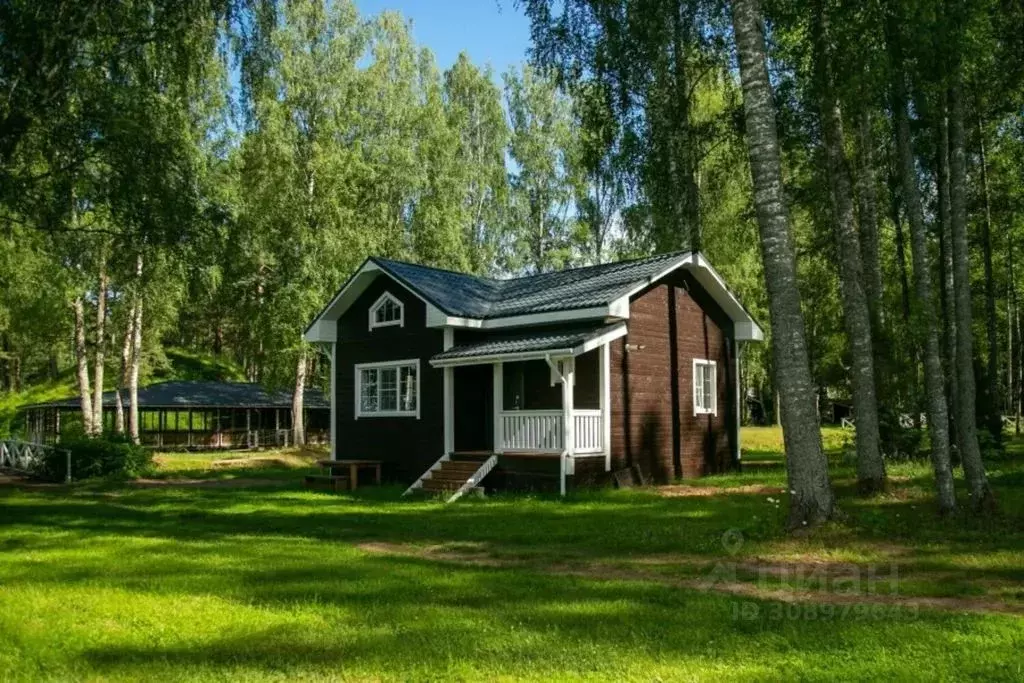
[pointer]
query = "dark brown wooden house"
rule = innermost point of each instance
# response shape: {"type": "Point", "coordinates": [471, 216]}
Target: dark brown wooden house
{"type": "Point", "coordinates": [536, 381]}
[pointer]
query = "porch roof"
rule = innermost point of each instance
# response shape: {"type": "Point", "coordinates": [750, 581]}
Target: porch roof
{"type": "Point", "coordinates": [563, 340]}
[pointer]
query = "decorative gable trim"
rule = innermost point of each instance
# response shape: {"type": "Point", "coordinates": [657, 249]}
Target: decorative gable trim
{"type": "Point", "coordinates": [390, 317]}
{"type": "Point", "coordinates": [325, 327]}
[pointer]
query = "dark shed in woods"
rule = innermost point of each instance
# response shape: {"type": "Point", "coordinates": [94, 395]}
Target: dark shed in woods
{"type": "Point", "coordinates": [196, 415]}
{"type": "Point", "coordinates": [455, 380]}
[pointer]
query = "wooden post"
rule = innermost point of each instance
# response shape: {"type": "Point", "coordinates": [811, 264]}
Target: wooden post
{"type": "Point", "coordinates": [568, 420]}
{"type": "Point", "coordinates": [188, 429]}
{"type": "Point", "coordinates": [57, 426]}
{"type": "Point", "coordinates": [334, 401]}
{"type": "Point", "coordinates": [216, 426]}
{"type": "Point", "coordinates": [606, 404]}
{"type": "Point", "coordinates": [449, 409]}
{"type": "Point", "coordinates": [498, 379]}
{"type": "Point", "coordinates": [248, 428]}
{"type": "Point", "coordinates": [449, 395]}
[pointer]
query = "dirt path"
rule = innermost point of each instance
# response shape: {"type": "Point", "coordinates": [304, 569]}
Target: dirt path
{"type": "Point", "coordinates": [240, 482]}
{"type": "Point", "coordinates": [827, 583]}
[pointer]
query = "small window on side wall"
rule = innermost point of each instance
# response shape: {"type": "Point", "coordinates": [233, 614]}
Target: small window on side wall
{"type": "Point", "coordinates": [386, 312]}
{"type": "Point", "coordinates": [705, 387]}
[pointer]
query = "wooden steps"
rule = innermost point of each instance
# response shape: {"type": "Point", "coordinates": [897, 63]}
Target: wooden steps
{"type": "Point", "coordinates": [454, 476]}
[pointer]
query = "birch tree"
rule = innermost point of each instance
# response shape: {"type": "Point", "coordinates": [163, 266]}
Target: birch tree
{"type": "Point", "coordinates": [870, 466]}
{"type": "Point", "coordinates": [811, 497]}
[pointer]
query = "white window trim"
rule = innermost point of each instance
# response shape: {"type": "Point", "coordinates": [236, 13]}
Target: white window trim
{"type": "Point", "coordinates": [387, 296]}
{"type": "Point", "coordinates": [359, 367]}
{"type": "Point", "coordinates": [699, 362]}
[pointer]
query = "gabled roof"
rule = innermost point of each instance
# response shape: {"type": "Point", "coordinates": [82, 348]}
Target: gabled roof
{"type": "Point", "coordinates": [197, 394]}
{"type": "Point", "coordinates": [553, 341]}
{"type": "Point", "coordinates": [470, 296]}
{"type": "Point", "coordinates": [598, 292]}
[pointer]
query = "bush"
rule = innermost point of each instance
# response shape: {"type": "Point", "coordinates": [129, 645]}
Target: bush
{"type": "Point", "coordinates": [109, 456]}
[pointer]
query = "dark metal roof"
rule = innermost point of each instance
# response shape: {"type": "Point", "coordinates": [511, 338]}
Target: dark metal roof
{"type": "Point", "coordinates": [563, 337]}
{"type": "Point", "coordinates": [470, 296]}
{"type": "Point", "coordinates": [204, 395]}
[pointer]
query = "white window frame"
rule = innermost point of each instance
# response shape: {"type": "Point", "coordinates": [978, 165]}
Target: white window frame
{"type": "Point", "coordinates": [700, 363]}
{"type": "Point", "coordinates": [381, 300]}
{"type": "Point", "coordinates": [398, 365]}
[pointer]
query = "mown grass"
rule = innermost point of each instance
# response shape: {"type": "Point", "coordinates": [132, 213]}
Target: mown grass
{"type": "Point", "coordinates": [176, 583]}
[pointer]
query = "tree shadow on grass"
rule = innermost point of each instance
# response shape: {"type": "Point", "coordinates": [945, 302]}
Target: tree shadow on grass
{"type": "Point", "coordinates": [425, 621]}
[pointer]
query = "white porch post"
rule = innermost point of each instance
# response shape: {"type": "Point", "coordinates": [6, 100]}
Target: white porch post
{"type": "Point", "coordinates": [334, 406]}
{"type": "Point", "coordinates": [606, 405]}
{"type": "Point", "coordinates": [568, 420]}
{"type": "Point", "coordinates": [499, 397]}
{"type": "Point", "coordinates": [449, 396]}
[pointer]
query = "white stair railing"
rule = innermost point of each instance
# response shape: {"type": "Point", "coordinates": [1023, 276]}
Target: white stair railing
{"type": "Point", "coordinates": [475, 480]}
{"type": "Point", "coordinates": [418, 484]}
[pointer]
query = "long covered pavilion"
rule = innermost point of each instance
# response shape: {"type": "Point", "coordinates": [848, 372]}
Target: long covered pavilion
{"type": "Point", "coordinates": [195, 415]}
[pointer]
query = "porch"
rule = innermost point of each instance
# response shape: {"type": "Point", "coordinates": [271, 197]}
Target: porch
{"type": "Point", "coordinates": [545, 396]}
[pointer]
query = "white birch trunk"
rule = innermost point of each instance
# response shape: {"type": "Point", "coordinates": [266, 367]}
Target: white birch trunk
{"type": "Point", "coordinates": [298, 423]}
{"type": "Point", "coordinates": [82, 361]}
{"type": "Point", "coordinates": [100, 350]}
{"type": "Point", "coordinates": [136, 357]}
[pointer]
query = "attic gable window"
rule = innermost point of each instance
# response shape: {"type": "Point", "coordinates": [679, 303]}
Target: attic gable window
{"type": "Point", "coordinates": [387, 311]}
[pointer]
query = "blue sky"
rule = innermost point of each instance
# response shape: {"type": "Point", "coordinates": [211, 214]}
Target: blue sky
{"type": "Point", "coordinates": [490, 31]}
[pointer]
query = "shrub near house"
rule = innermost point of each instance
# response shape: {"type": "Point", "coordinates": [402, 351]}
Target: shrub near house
{"type": "Point", "coordinates": [108, 456]}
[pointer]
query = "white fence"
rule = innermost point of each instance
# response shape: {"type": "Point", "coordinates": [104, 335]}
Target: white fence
{"type": "Point", "coordinates": [541, 430]}
{"type": "Point", "coordinates": [22, 456]}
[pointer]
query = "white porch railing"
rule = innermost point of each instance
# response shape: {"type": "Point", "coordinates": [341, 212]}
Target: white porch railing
{"type": "Point", "coordinates": [587, 428]}
{"type": "Point", "coordinates": [531, 430]}
{"type": "Point", "coordinates": [542, 430]}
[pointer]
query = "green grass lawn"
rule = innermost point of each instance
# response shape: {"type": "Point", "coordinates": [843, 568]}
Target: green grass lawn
{"type": "Point", "coordinates": [258, 582]}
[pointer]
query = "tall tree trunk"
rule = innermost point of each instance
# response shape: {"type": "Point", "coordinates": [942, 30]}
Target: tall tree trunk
{"type": "Point", "coordinates": [868, 206]}
{"type": "Point", "coordinates": [82, 361]}
{"type": "Point", "coordinates": [136, 356]}
{"type": "Point", "coordinates": [811, 499]}
{"type": "Point", "coordinates": [970, 453]}
{"type": "Point", "coordinates": [901, 251]}
{"type": "Point", "coordinates": [946, 256]}
{"type": "Point", "coordinates": [938, 417]}
{"type": "Point", "coordinates": [298, 418]}
{"type": "Point", "coordinates": [101, 347]}
{"type": "Point", "coordinates": [856, 315]}
{"type": "Point", "coordinates": [122, 379]}
{"type": "Point", "coordinates": [993, 414]}
{"type": "Point", "coordinates": [1013, 315]}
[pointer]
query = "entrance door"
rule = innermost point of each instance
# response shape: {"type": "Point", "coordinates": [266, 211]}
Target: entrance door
{"type": "Point", "coordinates": [474, 408]}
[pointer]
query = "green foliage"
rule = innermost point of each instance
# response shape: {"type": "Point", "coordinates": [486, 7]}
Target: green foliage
{"type": "Point", "coordinates": [92, 458]}
{"type": "Point", "coordinates": [541, 227]}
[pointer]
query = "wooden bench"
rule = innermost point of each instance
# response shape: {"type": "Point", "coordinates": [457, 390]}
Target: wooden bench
{"type": "Point", "coordinates": [333, 468]}
{"type": "Point", "coordinates": [327, 481]}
